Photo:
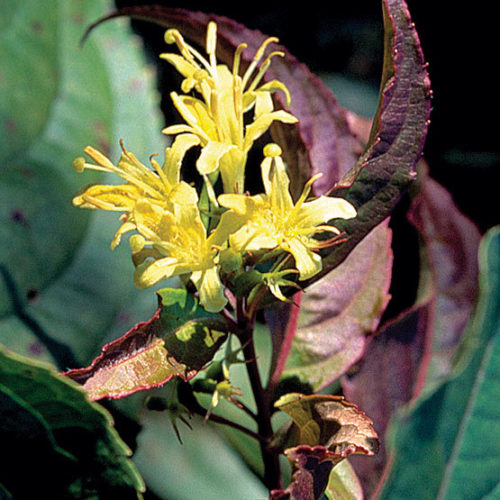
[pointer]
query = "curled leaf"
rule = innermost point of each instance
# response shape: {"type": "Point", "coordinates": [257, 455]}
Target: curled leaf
{"type": "Point", "coordinates": [324, 430]}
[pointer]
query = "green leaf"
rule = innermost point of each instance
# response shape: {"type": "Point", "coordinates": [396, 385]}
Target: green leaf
{"type": "Point", "coordinates": [204, 466]}
{"type": "Point", "coordinates": [177, 341]}
{"type": "Point", "coordinates": [343, 483]}
{"type": "Point", "coordinates": [29, 77]}
{"type": "Point", "coordinates": [66, 281]}
{"type": "Point", "coordinates": [452, 436]}
{"type": "Point", "coordinates": [47, 420]}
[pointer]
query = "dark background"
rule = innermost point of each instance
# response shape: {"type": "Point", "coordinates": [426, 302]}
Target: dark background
{"type": "Point", "coordinates": [346, 38]}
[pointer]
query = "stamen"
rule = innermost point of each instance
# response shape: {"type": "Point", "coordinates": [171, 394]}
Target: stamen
{"type": "Point", "coordinates": [237, 58]}
{"type": "Point", "coordinates": [307, 189]}
{"type": "Point", "coordinates": [159, 171]}
{"type": "Point", "coordinates": [211, 43]}
{"type": "Point", "coordinates": [263, 68]}
{"type": "Point", "coordinates": [238, 109]}
{"type": "Point", "coordinates": [256, 59]}
{"type": "Point", "coordinates": [173, 36]}
{"type": "Point", "coordinates": [188, 116]}
{"type": "Point", "coordinates": [272, 150]}
{"type": "Point", "coordinates": [99, 158]}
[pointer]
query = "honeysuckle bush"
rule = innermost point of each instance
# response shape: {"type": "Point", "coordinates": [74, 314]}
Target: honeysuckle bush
{"type": "Point", "coordinates": [261, 225]}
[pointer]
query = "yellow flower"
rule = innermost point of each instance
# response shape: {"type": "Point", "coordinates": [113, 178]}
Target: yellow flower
{"type": "Point", "coordinates": [174, 242]}
{"type": "Point", "coordinates": [273, 221]}
{"type": "Point", "coordinates": [142, 183]}
{"type": "Point", "coordinates": [216, 120]}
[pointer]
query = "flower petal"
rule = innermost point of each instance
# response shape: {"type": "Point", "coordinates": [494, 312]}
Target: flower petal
{"type": "Point", "coordinates": [322, 210]}
{"type": "Point", "coordinates": [175, 154]}
{"type": "Point", "coordinates": [151, 272]}
{"type": "Point", "coordinates": [210, 288]}
{"type": "Point", "coordinates": [306, 261]}
{"type": "Point", "coordinates": [211, 155]}
{"type": "Point", "coordinates": [262, 124]}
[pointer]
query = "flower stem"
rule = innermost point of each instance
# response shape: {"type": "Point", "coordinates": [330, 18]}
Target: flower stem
{"type": "Point", "coordinates": [272, 474]}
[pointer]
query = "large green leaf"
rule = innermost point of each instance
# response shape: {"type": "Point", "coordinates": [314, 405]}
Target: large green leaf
{"type": "Point", "coordinates": [55, 442]}
{"type": "Point", "coordinates": [452, 437]}
{"type": "Point", "coordinates": [60, 278]}
{"type": "Point", "coordinates": [29, 79]}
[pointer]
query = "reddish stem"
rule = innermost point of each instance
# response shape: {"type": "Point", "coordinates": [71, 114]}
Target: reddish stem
{"type": "Point", "coordinates": [272, 474]}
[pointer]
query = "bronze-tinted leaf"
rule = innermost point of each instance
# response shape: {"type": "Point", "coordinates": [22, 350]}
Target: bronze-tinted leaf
{"type": "Point", "coordinates": [325, 430]}
{"type": "Point", "coordinates": [154, 351]}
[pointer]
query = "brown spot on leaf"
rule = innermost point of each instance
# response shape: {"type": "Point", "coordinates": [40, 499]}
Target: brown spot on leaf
{"type": "Point", "coordinates": [32, 294]}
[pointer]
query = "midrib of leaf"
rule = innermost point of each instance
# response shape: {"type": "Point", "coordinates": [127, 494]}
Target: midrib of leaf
{"type": "Point", "coordinates": [469, 409]}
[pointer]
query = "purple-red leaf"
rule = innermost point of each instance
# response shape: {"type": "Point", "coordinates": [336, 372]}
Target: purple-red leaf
{"type": "Point", "coordinates": [339, 313]}
{"type": "Point", "coordinates": [417, 349]}
{"type": "Point", "coordinates": [387, 167]}
{"type": "Point", "coordinates": [154, 351]}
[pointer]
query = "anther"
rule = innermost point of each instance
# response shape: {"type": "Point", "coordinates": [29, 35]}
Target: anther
{"type": "Point", "coordinates": [79, 164]}
{"type": "Point", "coordinates": [272, 150]}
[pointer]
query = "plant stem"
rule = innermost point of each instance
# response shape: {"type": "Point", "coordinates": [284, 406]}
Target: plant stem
{"type": "Point", "coordinates": [272, 474]}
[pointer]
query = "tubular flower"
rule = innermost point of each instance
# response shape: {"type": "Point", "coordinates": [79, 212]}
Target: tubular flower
{"type": "Point", "coordinates": [174, 242]}
{"type": "Point", "coordinates": [142, 183]}
{"type": "Point", "coordinates": [273, 221]}
{"type": "Point", "coordinates": [216, 120]}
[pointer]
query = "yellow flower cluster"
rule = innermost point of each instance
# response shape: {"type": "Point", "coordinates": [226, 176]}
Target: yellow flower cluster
{"type": "Point", "coordinates": [171, 238]}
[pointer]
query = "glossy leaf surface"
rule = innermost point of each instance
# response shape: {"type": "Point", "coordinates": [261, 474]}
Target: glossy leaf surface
{"type": "Point", "coordinates": [56, 442]}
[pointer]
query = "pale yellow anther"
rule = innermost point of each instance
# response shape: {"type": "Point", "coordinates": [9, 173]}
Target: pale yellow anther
{"type": "Point", "coordinates": [272, 150]}
{"type": "Point", "coordinates": [79, 164]}
{"type": "Point", "coordinates": [171, 36]}
{"type": "Point", "coordinates": [237, 57]}
{"type": "Point", "coordinates": [211, 38]}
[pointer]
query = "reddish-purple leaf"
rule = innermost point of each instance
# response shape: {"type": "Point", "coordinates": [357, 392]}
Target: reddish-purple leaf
{"type": "Point", "coordinates": [151, 353]}
{"type": "Point", "coordinates": [417, 349]}
{"type": "Point", "coordinates": [387, 167]}
{"type": "Point", "coordinates": [339, 312]}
